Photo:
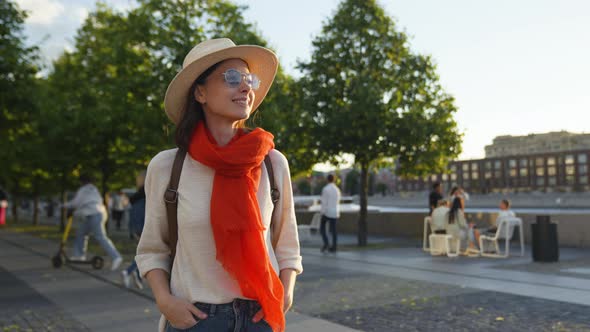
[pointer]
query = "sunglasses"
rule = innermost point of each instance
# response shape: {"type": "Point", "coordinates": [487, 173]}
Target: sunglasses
{"type": "Point", "coordinates": [233, 79]}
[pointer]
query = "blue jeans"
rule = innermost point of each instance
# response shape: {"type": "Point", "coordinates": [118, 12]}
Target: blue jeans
{"type": "Point", "coordinates": [333, 230]}
{"type": "Point", "coordinates": [235, 316]}
{"type": "Point", "coordinates": [93, 224]}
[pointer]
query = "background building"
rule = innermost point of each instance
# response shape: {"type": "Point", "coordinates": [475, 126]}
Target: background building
{"type": "Point", "coordinates": [556, 161]}
{"type": "Point", "coordinates": [560, 171]}
{"type": "Point", "coordinates": [504, 146]}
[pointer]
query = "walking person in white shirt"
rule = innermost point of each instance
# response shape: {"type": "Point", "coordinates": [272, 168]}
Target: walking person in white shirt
{"type": "Point", "coordinates": [89, 209]}
{"type": "Point", "coordinates": [330, 213]}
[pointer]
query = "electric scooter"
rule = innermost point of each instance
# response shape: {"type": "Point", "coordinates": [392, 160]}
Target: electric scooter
{"type": "Point", "coordinates": [61, 257]}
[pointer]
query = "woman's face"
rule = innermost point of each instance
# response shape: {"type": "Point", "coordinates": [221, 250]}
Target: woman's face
{"type": "Point", "coordinates": [221, 100]}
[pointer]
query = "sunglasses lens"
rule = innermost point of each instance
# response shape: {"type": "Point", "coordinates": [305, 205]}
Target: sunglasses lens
{"type": "Point", "coordinates": [253, 81]}
{"type": "Point", "coordinates": [233, 78]}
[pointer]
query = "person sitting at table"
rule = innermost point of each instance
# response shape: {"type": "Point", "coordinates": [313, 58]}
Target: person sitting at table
{"type": "Point", "coordinates": [457, 227]}
{"type": "Point", "coordinates": [504, 213]}
{"type": "Point", "coordinates": [439, 217]}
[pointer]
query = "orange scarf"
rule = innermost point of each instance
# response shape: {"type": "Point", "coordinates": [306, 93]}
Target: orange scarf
{"type": "Point", "coordinates": [235, 215]}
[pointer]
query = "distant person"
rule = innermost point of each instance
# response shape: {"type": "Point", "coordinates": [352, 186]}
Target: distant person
{"type": "Point", "coordinates": [119, 204]}
{"type": "Point", "coordinates": [504, 213]}
{"type": "Point", "coordinates": [89, 209]}
{"type": "Point", "coordinates": [439, 217]}
{"type": "Point", "coordinates": [457, 193]}
{"type": "Point", "coordinates": [3, 207]}
{"type": "Point", "coordinates": [136, 222]}
{"type": "Point", "coordinates": [330, 213]}
{"type": "Point", "coordinates": [434, 197]}
{"type": "Point", "coordinates": [458, 228]}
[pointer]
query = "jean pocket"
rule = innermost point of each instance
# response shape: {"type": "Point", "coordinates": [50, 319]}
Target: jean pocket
{"type": "Point", "coordinates": [170, 328]}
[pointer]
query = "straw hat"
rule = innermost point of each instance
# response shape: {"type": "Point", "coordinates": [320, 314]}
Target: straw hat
{"type": "Point", "coordinates": [261, 61]}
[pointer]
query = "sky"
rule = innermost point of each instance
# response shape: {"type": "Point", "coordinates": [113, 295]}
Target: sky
{"type": "Point", "coordinates": [514, 67]}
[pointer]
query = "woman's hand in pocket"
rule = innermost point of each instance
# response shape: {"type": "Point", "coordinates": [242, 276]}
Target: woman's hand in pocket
{"type": "Point", "coordinates": [180, 313]}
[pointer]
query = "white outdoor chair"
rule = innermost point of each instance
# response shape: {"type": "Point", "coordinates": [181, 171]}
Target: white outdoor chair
{"type": "Point", "coordinates": [505, 231]}
{"type": "Point", "coordinates": [305, 231]}
{"type": "Point", "coordinates": [439, 244]}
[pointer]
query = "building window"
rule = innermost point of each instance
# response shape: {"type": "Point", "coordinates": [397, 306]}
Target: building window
{"type": "Point", "coordinates": [488, 165]}
{"type": "Point", "coordinates": [498, 175]}
{"type": "Point", "coordinates": [453, 168]}
{"type": "Point", "coordinates": [454, 177]}
{"type": "Point", "coordinates": [569, 159]}
{"type": "Point", "coordinates": [433, 178]}
{"type": "Point", "coordinates": [551, 171]}
{"type": "Point", "coordinates": [540, 161]}
{"type": "Point", "coordinates": [524, 162]}
{"type": "Point", "coordinates": [583, 179]}
{"type": "Point", "coordinates": [488, 175]}
{"type": "Point", "coordinates": [498, 164]}
{"type": "Point", "coordinates": [569, 179]}
{"type": "Point", "coordinates": [582, 158]}
{"type": "Point", "coordinates": [540, 181]}
{"type": "Point", "coordinates": [466, 175]}
{"type": "Point", "coordinates": [551, 161]}
{"type": "Point", "coordinates": [570, 170]}
{"type": "Point", "coordinates": [474, 175]}
{"type": "Point", "coordinates": [513, 173]}
{"type": "Point", "coordinates": [524, 172]}
{"type": "Point", "coordinates": [445, 177]}
{"type": "Point", "coordinates": [582, 169]}
{"type": "Point", "coordinates": [466, 167]}
{"type": "Point", "coordinates": [474, 166]}
{"type": "Point", "coordinates": [552, 181]}
{"type": "Point", "coordinates": [540, 171]}
{"type": "Point", "coordinates": [512, 163]}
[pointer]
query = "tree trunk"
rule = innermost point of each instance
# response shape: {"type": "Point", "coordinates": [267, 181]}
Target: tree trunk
{"type": "Point", "coordinates": [362, 226]}
{"type": "Point", "coordinates": [36, 210]}
{"type": "Point", "coordinates": [15, 203]}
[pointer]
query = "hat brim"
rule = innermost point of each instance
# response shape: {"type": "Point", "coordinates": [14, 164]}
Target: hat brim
{"type": "Point", "coordinates": [261, 61]}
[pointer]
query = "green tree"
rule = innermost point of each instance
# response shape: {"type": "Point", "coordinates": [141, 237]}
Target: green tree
{"type": "Point", "coordinates": [352, 182]}
{"type": "Point", "coordinates": [18, 104]}
{"type": "Point", "coordinates": [371, 97]}
{"type": "Point", "coordinates": [304, 187]}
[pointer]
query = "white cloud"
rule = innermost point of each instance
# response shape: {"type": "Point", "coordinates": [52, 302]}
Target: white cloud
{"type": "Point", "coordinates": [43, 12]}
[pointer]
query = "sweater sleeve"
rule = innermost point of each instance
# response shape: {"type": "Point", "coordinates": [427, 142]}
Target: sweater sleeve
{"type": "Point", "coordinates": [153, 251]}
{"type": "Point", "coordinates": [287, 249]}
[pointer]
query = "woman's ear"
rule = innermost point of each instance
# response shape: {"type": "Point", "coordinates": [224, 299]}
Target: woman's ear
{"type": "Point", "coordinates": [200, 94]}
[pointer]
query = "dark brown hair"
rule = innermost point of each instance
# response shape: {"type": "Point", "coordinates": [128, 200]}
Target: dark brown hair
{"type": "Point", "coordinates": [507, 203]}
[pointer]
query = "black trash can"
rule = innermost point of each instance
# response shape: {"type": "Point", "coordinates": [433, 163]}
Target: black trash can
{"type": "Point", "coordinates": [545, 244]}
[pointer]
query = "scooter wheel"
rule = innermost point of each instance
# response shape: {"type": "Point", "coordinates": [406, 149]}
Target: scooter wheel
{"type": "Point", "coordinates": [97, 262]}
{"type": "Point", "coordinates": [57, 261]}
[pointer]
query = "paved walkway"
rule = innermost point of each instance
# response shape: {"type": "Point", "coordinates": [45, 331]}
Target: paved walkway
{"type": "Point", "coordinates": [403, 288]}
{"type": "Point", "coordinates": [36, 297]}
{"type": "Point", "coordinates": [399, 288]}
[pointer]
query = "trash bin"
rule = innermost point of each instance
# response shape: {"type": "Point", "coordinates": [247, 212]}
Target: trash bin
{"type": "Point", "coordinates": [544, 240]}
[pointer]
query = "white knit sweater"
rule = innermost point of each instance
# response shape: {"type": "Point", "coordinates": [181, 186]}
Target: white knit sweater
{"type": "Point", "coordinates": [196, 274]}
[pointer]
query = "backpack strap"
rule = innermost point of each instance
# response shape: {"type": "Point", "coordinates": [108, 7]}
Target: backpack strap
{"type": "Point", "coordinates": [275, 195]}
{"type": "Point", "coordinates": [171, 199]}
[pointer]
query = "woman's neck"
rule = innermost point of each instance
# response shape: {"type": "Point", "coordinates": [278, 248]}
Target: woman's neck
{"type": "Point", "coordinates": [221, 129]}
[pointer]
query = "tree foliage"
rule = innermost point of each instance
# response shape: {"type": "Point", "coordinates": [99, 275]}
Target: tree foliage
{"type": "Point", "coordinates": [370, 96]}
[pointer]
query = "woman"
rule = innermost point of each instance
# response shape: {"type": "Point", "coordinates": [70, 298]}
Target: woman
{"type": "Point", "coordinates": [457, 226]}
{"type": "Point", "coordinates": [226, 275]}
